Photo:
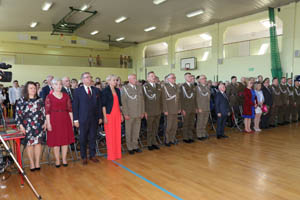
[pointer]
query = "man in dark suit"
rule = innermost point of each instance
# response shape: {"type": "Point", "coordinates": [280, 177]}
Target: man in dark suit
{"type": "Point", "coordinates": [46, 90]}
{"type": "Point", "coordinates": [222, 109]}
{"type": "Point", "coordinates": [267, 92]}
{"type": "Point", "coordinates": [67, 87]}
{"type": "Point", "coordinates": [87, 115]}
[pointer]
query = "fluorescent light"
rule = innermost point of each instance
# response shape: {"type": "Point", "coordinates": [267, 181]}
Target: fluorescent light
{"type": "Point", "coordinates": [165, 44]}
{"type": "Point", "coordinates": [150, 29]}
{"type": "Point", "coordinates": [195, 13]}
{"type": "Point", "coordinates": [47, 6]}
{"type": "Point", "coordinates": [119, 39]}
{"type": "Point", "coordinates": [205, 56]}
{"type": "Point", "coordinates": [120, 19]}
{"type": "Point", "coordinates": [94, 32]}
{"type": "Point", "coordinates": [205, 36]}
{"type": "Point", "coordinates": [157, 2]}
{"type": "Point", "coordinates": [85, 7]}
{"type": "Point", "coordinates": [266, 23]}
{"type": "Point", "coordinates": [33, 24]}
{"type": "Point", "coordinates": [263, 49]}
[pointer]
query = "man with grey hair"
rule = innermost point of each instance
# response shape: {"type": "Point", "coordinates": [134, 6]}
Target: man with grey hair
{"type": "Point", "coordinates": [188, 107]}
{"type": "Point", "coordinates": [203, 107]}
{"type": "Point", "coordinates": [134, 110]}
{"type": "Point", "coordinates": [222, 109]}
{"type": "Point", "coordinates": [67, 87]}
{"type": "Point", "coordinates": [87, 111]}
{"type": "Point", "coordinates": [171, 107]}
{"type": "Point", "coordinates": [46, 90]}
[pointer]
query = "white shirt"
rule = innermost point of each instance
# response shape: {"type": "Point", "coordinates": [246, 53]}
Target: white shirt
{"type": "Point", "coordinates": [14, 94]}
{"type": "Point", "coordinates": [152, 84]}
{"type": "Point", "coordinates": [259, 96]}
{"type": "Point", "coordinates": [188, 84]}
{"type": "Point", "coordinates": [133, 86]}
{"type": "Point", "coordinates": [171, 84]}
{"type": "Point", "coordinates": [87, 90]}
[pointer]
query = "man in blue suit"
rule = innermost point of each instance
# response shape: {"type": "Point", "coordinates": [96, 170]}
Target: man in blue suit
{"type": "Point", "coordinates": [222, 109]}
{"type": "Point", "coordinates": [87, 113]}
{"type": "Point", "coordinates": [46, 90]}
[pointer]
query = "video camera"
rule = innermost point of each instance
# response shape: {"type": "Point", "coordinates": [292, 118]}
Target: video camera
{"type": "Point", "coordinates": [5, 76]}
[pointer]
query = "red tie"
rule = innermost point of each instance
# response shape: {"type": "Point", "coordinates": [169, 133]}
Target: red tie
{"type": "Point", "coordinates": [89, 92]}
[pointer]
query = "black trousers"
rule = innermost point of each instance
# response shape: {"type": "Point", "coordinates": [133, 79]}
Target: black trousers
{"type": "Point", "coordinates": [265, 119]}
{"type": "Point", "coordinates": [221, 122]}
{"type": "Point", "coordinates": [88, 133]}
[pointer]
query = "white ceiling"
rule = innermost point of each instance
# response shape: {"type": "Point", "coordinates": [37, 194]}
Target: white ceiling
{"type": "Point", "coordinates": [169, 17]}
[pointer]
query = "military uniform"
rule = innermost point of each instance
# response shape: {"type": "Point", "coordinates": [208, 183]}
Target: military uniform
{"type": "Point", "coordinates": [188, 104]}
{"type": "Point", "coordinates": [240, 91]}
{"type": "Point", "coordinates": [171, 104]}
{"type": "Point", "coordinates": [297, 100]}
{"type": "Point", "coordinates": [283, 115]}
{"type": "Point", "coordinates": [276, 97]}
{"type": "Point", "coordinates": [203, 104]}
{"type": "Point", "coordinates": [132, 106]}
{"type": "Point", "coordinates": [153, 108]}
{"type": "Point", "coordinates": [292, 111]}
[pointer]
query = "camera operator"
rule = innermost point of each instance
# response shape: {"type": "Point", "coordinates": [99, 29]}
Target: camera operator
{"type": "Point", "coordinates": [14, 94]}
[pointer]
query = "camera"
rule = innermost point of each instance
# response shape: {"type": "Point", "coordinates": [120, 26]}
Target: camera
{"type": "Point", "coordinates": [5, 76]}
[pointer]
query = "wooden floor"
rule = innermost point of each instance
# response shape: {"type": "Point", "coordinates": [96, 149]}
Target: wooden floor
{"type": "Point", "coordinates": [263, 166]}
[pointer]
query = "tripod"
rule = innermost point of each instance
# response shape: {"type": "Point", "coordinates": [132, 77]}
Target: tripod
{"type": "Point", "coordinates": [13, 157]}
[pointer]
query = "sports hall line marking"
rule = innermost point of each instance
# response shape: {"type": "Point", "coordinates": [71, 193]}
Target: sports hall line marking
{"type": "Point", "coordinates": [143, 178]}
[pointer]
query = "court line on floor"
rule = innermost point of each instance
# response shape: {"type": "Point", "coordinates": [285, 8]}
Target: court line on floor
{"type": "Point", "coordinates": [143, 178]}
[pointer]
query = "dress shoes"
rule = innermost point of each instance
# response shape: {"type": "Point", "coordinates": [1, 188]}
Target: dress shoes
{"type": "Point", "coordinates": [150, 148]}
{"type": "Point", "coordinates": [225, 136]}
{"type": "Point", "coordinates": [155, 147]}
{"type": "Point", "coordinates": [186, 141]}
{"type": "Point", "coordinates": [138, 150]}
{"type": "Point", "coordinates": [84, 161]}
{"type": "Point", "coordinates": [131, 152]}
{"type": "Point", "coordinates": [94, 159]}
{"type": "Point", "coordinates": [201, 138]}
{"type": "Point", "coordinates": [168, 144]}
{"type": "Point", "coordinates": [219, 137]}
{"type": "Point", "coordinates": [191, 140]}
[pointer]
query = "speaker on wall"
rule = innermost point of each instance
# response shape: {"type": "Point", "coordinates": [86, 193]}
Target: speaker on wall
{"type": "Point", "coordinates": [297, 53]}
{"type": "Point", "coordinates": [220, 61]}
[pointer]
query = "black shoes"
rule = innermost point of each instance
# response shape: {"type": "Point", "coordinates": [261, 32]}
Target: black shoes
{"type": "Point", "coordinates": [65, 165]}
{"type": "Point", "coordinates": [138, 150]}
{"type": "Point", "coordinates": [168, 144]}
{"type": "Point", "coordinates": [155, 147]}
{"type": "Point", "coordinates": [150, 148]}
{"type": "Point", "coordinates": [186, 141]}
{"type": "Point", "coordinates": [57, 166]}
{"type": "Point", "coordinates": [131, 152]}
{"type": "Point", "coordinates": [202, 138]}
{"type": "Point", "coordinates": [191, 140]}
{"type": "Point", "coordinates": [225, 136]}
{"type": "Point", "coordinates": [222, 136]}
{"type": "Point", "coordinates": [32, 169]}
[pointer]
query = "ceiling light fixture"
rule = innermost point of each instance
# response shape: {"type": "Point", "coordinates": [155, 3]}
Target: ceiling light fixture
{"type": "Point", "coordinates": [165, 44]}
{"type": "Point", "coordinates": [157, 2]}
{"type": "Point", "coordinates": [150, 29]}
{"type": "Point", "coordinates": [205, 36]}
{"type": "Point", "coordinates": [94, 32]}
{"type": "Point", "coordinates": [195, 13]}
{"type": "Point", "coordinates": [120, 39]}
{"type": "Point", "coordinates": [47, 6]}
{"type": "Point", "coordinates": [33, 24]}
{"type": "Point", "coordinates": [85, 7]}
{"type": "Point", "coordinates": [120, 19]}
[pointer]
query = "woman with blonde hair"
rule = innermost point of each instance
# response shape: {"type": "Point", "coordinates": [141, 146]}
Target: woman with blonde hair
{"type": "Point", "coordinates": [249, 105]}
{"type": "Point", "coordinates": [258, 109]}
{"type": "Point", "coordinates": [111, 107]}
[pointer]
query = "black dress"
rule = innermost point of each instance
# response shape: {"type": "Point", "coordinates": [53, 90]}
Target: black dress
{"type": "Point", "coordinates": [31, 114]}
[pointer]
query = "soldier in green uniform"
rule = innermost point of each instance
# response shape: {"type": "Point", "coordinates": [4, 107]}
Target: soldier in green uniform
{"type": "Point", "coordinates": [134, 110]}
{"type": "Point", "coordinates": [292, 111]}
{"type": "Point", "coordinates": [188, 107]}
{"type": "Point", "coordinates": [284, 108]}
{"type": "Point", "coordinates": [153, 109]}
{"type": "Point", "coordinates": [276, 102]}
{"type": "Point", "coordinates": [297, 98]}
{"type": "Point", "coordinates": [203, 107]}
{"type": "Point", "coordinates": [171, 107]}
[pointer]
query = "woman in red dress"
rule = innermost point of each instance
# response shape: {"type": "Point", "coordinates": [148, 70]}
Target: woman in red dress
{"type": "Point", "coordinates": [59, 122]}
{"type": "Point", "coordinates": [111, 105]}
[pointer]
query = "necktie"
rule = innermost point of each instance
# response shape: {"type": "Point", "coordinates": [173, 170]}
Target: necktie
{"type": "Point", "coordinates": [89, 92]}
{"type": "Point", "coordinates": [69, 92]}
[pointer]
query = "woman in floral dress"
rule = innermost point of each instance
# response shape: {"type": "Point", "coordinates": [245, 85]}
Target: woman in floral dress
{"type": "Point", "coordinates": [31, 120]}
